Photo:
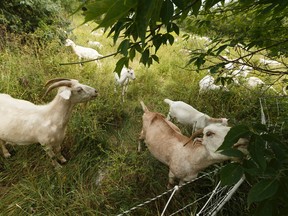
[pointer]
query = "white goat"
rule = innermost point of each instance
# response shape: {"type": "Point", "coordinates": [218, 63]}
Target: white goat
{"type": "Point", "coordinates": [184, 158]}
{"type": "Point", "coordinates": [208, 83]}
{"type": "Point", "coordinates": [269, 62]}
{"type": "Point", "coordinates": [95, 43]}
{"type": "Point", "coordinates": [254, 82]}
{"type": "Point", "coordinates": [123, 81]}
{"type": "Point", "coordinates": [84, 52]}
{"type": "Point", "coordinates": [24, 123]}
{"type": "Point", "coordinates": [188, 115]}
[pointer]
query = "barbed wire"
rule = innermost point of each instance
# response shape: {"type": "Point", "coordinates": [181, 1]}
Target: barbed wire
{"type": "Point", "coordinates": [166, 192]}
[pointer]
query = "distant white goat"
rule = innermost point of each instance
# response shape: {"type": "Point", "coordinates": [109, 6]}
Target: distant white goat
{"type": "Point", "coordinates": [95, 43]}
{"type": "Point", "coordinates": [269, 62]}
{"type": "Point", "coordinates": [208, 83]}
{"type": "Point", "coordinates": [254, 82]}
{"type": "Point", "coordinates": [84, 52]}
{"type": "Point", "coordinates": [188, 115]}
{"type": "Point", "coordinates": [243, 73]}
{"type": "Point", "coordinates": [183, 156]}
{"type": "Point", "coordinates": [24, 123]}
{"type": "Point", "coordinates": [123, 81]}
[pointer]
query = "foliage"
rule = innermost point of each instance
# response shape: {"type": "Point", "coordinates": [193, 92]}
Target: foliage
{"type": "Point", "coordinates": [265, 169]}
{"type": "Point", "coordinates": [45, 18]}
{"type": "Point", "coordinates": [147, 25]}
{"type": "Point", "coordinates": [241, 23]}
{"type": "Point", "coordinates": [144, 28]}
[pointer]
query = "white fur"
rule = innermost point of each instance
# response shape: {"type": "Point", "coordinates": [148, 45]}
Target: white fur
{"type": "Point", "coordinates": [269, 62]}
{"type": "Point", "coordinates": [188, 115]}
{"type": "Point", "coordinates": [123, 81]}
{"type": "Point", "coordinates": [95, 43]}
{"type": "Point", "coordinates": [208, 83]}
{"type": "Point", "coordinates": [84, 52]}
{"type": "Point", "coordinates": [24, 123]}
{"type": "Point", "coordinates": [255, 82]}
{"type": "Point", "coordinates": [184, 158]}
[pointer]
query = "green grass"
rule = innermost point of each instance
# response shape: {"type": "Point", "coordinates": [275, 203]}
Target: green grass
{"type": "Point", "coordinates": [102, 135]}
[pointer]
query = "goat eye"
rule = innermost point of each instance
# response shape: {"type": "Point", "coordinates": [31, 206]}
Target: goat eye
{"type": "Point", "coordinates": [209, 133]}
{"type": "Point", "coordinates": [79, 89]}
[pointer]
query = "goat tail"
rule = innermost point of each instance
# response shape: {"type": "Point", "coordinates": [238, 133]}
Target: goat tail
{"type": "Point", "coordinates": [145, 109]}
{"type": "Point", "coordinates": [168, 101]}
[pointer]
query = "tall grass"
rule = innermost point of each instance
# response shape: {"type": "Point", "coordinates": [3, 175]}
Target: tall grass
{"type": "Point", "coordinates": [105, 175]}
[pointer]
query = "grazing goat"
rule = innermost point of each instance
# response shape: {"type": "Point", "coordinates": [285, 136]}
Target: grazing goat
{"type": "Point", "coordinates": [84, 52]}
{"type": "Point", "coordinates": [184, 158]}
{"type": "Point", "coordinates": [208, 83]}
{"type": "Point", "coordinates": [123, 81]}
{"type": "Point", "coordinates": [269, 62]}
{"type": "Point", "coordinates": [24, 123]}
{"type": "Point", "coordinates": [95, 43]}
{"type": "Point", "coordinates": [254, 82]}
{"type": "Point", "coordinates": [188, 115]}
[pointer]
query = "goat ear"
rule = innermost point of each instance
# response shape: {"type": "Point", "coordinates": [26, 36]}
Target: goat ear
{"type": "Point", "coordinates": [65, 94]}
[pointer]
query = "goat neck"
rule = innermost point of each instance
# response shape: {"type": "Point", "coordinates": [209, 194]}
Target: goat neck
{"type": "Point", "coordinates": [59, 110]}
{"type": "Point", "coordinates": [123, 78]}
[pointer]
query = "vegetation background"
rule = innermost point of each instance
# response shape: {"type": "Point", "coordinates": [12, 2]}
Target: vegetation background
{"type": "Point", "coordinates": [105, 175]}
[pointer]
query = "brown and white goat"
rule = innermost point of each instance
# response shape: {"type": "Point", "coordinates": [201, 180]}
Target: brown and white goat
{"type": "Point", "coordinates": [184, 157]}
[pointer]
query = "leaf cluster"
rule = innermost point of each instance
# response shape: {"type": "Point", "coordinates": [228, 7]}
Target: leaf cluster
{"type": "Point", "coordinates": [265, 168]}
{"type": "Point", "coordinates": [145, 25]}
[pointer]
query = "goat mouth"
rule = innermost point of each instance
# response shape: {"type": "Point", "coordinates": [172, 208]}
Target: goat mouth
{"type": "Point", "coordinates": [94, 96]}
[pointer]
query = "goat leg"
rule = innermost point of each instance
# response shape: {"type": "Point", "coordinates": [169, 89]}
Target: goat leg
{"type": "Point", "coordinates": [49, 151]}
{"type": "Point", "coordinates": [4, 149]}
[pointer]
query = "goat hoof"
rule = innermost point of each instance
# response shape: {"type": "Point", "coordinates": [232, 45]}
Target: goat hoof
{"type": "Point", "coordinates": [7, 155]}
{"type": "Point", "coordinates": [62, 160]}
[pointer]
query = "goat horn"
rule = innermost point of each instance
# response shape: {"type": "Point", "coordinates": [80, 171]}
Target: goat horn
{"type": "Point", "coordinates": [194, 135]}
{"type": "Point", "coordinates": [55, 80]}
{"type": "Point", "coordinates": [58, 84]}
{"type": "Point", "coordinates": [145, 109]}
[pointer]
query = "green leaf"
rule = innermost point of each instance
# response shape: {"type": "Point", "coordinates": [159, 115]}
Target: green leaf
{"type": "Point", "coordinates": [196, 7]}
{"type": "Point", "coordinates": [155, 58]}
{"type": "Point", "coordinates": [123, 47]}
{"type": "Point", "coordinates": [256, 149]}
{"type": "Point", "coordinates": [167, 11]}
{"type": "Point", "coordinates": [213, 69]}
{"type": "Point", "coordinates": [221, 48]}
{"type": "Point", "coordinates": [232, 153]}
{"type": "Point", "coordinates": [157, 41]}
{"type": "Point", "coordinates": [96, 9]}
{"type": "Point", "coordinates": [144, 13]}
{"type": "Point", "coordinates": [262, 190]}
{"type": "Point", "coordinates": [132, 53]}
{"type": "Point", "coordinates": [265, 209]}
{"type": "Point", "coordinates": [231, 174]}
{"type": "Point", "coordinates": [234, 134]}
{"type": "Point", "coordinates": [210, 3]}
{"type": "Point", "coordinates": [145, 56]}
{"type": "Point", "coordinates": [170, 39]}
{"type": "Point", "coordinates": [175, 28]}
{"type": "Point", "coordinates": [179, 3]}
{"type": "Point", "coordinates": [119, 65]}
{"type": "Point", "coordinates": [118, 9]}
